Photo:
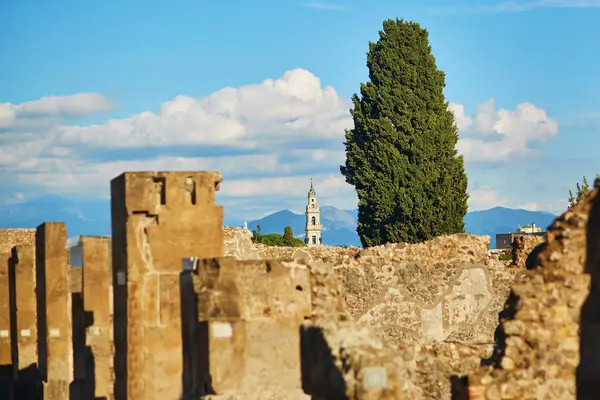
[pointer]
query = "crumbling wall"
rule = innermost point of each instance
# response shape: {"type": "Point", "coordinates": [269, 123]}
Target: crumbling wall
{"type": "Point", "coordinates": [448, 288]}
{"type": "Point", "coordinates": [522, 247]}
{"type": "Point", "coordinates": [438, 301]}
{"type": "Point", "coordinates": [588, 384]}
{"type": "Point", "coordinates": [539, 350]}
{"type": "Point", "coordinates": [247, 338]}
{"type": "Point", "coordinates": [238, 244]}
{"type": "Point", "coordinates": [344, 360]}
{"type": "Point", "coordinates": [158, 219]}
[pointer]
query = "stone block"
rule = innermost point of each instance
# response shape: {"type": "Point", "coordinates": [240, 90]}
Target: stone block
{"type": "Point", "coordinates": [250, 314]}
{"type": "Point", "coordinates": [9, 238]}
{"type": "Point", "coordinates": [25, 312]}
{"type": "Point", "coordinates": [158, 218]}
{"type": "Point", "coordinates": [54, 310]}
{"type": "Point", "coordinates": [97, 301]}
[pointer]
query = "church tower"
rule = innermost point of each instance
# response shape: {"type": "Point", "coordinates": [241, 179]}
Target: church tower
{"type": "Point", "coordinates": [313, 220]}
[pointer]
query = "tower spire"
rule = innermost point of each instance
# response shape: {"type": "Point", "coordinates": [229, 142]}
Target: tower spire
{"type": "Point", "coordinates": [311, 192]}
{"type": "Point", "coordinates": [313, 223]}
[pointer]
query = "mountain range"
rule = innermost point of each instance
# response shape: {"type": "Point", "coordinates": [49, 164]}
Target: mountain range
{"type": "Point", "coordinates": [92, 217]}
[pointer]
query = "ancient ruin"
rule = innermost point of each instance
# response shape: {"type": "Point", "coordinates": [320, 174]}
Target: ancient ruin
{"type": "Point", "coordinates": [174, 306]}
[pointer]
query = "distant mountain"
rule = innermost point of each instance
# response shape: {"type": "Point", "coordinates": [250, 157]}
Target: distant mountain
{"type": "Point", "coordinates": [92, 217]}
{"type": "Point", "coordinates": [340, 225]}
{"type": "Point", "coordinates": [504, 220]}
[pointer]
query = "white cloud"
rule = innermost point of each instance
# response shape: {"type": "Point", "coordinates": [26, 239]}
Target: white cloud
{"type": "Point", "coordinates": [288, 186]}
{"type": "Point", "coordinates": [273, 118]}
{"type": "Point", "coordinates": [73, 105]}
{"type": "Point", "coordinates": [292, 107]}
{"type": "Point", "coordinates": [494, 136]}
{"type": "Point", "coordinates": [75, 176]}
{"type": "Point", "coordinates": [7, 114]}
{"type": "Point", "coordinates": [485, 197]}
{"type": "Point", "coordinates": [16, 115]}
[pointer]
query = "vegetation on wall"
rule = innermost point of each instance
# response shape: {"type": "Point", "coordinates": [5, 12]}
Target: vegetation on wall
{"type": "Point", "coordinates": [582, 191]}
{"type": "Point", "coordinates": [400, 155]}
{"type": "Point", "coordinates": [275, 239]}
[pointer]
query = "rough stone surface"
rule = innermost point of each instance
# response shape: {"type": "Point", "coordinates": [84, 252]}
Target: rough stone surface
{"type": "Point", "coordinates": [522, 247]}
{"type": "Point", "coordinates": [8, 239]}
{"type": "Point", "coordinates": [447, 291]}
{"type": "Point", "coordinates": [97, 302]}
{"type": "Point", "coordinates": [539, 352]}
{"type": "Point", "coordinates": [158, 219]}
{"type": "Point", "coordinates": [342, 359]}
{"type": "Point", "coordinates": [237, 244]}
{"type": "Point", "coordinates": [249, 314]}
{"type": "Point", "coordinates": [588, 384]}
{"type": "Point", "coordinates": [25, 352]}
{"type": "Point", "coordinates": [444, 289]}
{"type": "Point", "coordinates": [54, 310]}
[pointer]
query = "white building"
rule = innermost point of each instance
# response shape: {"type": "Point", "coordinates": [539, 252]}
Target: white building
{"type": "Point", "coordinates": [313, 219]}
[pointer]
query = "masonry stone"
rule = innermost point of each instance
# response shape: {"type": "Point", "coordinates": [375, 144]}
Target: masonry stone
{"type": "Point", "coordinates": [9, 238]}
{"type": "Point", "coordinates": [54, 310]}
{"type": "Point", "coordinates": [538, 351]}
{"type": "Point", "coordinates": [158, 218]}
{"type": "Point", "coordinates": [175, 306]}
{"type": "Point", "coordinates": [97, 304]}
{"type": "Point", "coordinates": [249, 315]}
{"type": "Point", "coordinates": [25, 344]}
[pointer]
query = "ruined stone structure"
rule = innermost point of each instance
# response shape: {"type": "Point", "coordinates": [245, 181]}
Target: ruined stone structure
{"type": "Point", "coordinates": [158, 219]}
{"type": "Point", "coordinates": [539, 351]}
{"type": "Point", "coordinates": [175, 306]}
{"type": "Point", "coordinates": [313, 219]}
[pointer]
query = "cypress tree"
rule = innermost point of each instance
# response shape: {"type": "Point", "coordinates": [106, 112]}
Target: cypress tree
{"type": "Point", "coordinates": [401, 155]}
{"type": "Point", "coordinates": [288, 236]}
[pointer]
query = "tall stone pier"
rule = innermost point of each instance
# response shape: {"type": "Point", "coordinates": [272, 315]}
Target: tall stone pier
{"type": "Point", "coordinates": [158, 219]}
{"type": "Point", "coordinates": [97, 304]}
{"type": "Point", "coordinates": [54, 323]}
{"type": "Point", "coordinates": [24, 309]}
{"type": "Point", "coordinates": [9, 238]}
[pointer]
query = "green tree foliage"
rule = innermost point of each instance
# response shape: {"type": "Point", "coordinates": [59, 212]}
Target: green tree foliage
{"type": "Point", "coordinates": [288, 236]}
{"type": "Point", "coordinates": [272, 239]}
{"type": "Point", "coordinates": [582, 190]}
{"type": "Point", "coordinates": [401, 155]}
{"type": "Point", "coordinates": [256, 235]}
{"type": "Point", "coordinates": [275, 239]}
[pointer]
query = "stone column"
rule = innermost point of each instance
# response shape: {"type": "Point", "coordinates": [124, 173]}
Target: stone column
{"type": "Point", "coordinates": [97, 283]}
{"type": "Point", "coordinates": [54, 310]}
{"type": "Point", "coordinates": [9, 238]}
{"type": "Point", "coordinates": [25, 311]}
{"type": "Point", "coordinates": [158, 218]}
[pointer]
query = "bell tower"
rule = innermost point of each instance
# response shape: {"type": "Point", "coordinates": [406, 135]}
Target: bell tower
{"type": "Point", "coordinates": [313, 219]}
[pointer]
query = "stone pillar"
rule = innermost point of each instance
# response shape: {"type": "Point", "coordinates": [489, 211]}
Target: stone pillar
{"type": "Point", "coordinates": [9, 238]}
{"type": "Point", "coordinates": [54, 310]}
{"type": "Point", "coordinates": [77, 332]}
{"type": "Point", "coordinates": [97, 281]}
{"type": "Point", "coordinates": [250, 314]}
{"type": "Point", "coordinates": [5, 348]}
{"type": "Point", "coordinates": [25, 312]}
{"type": "Point", "coordinates": [158, 218]}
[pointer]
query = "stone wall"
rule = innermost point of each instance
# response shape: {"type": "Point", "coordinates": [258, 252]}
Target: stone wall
{"type": "Point", "coordinates": [438, 300]}
{"type": "Point", "coordinates": [388, 322]}
{"type": "Point", "coordinates": [448, 288]}
{"type": "Point", "coordinates": [539, 348]}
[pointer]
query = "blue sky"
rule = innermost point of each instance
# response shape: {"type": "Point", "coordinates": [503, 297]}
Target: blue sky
{"type": "Point", "coordinates": [260, 90]}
